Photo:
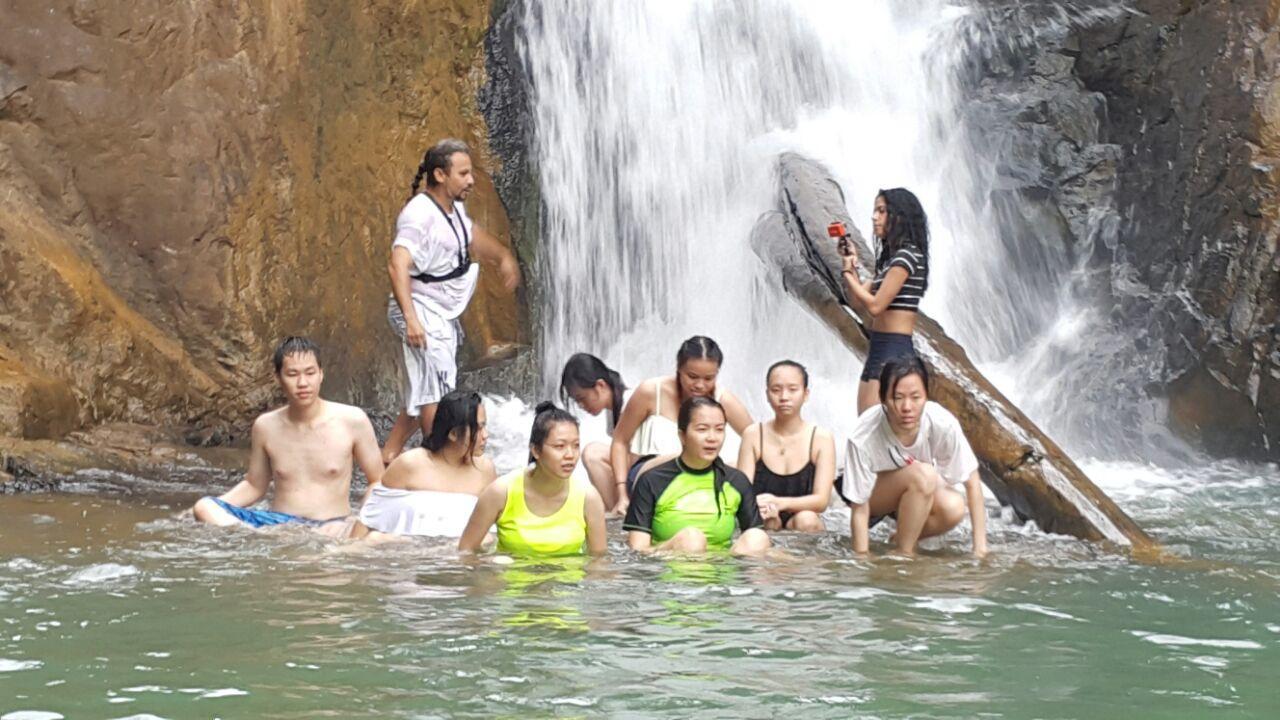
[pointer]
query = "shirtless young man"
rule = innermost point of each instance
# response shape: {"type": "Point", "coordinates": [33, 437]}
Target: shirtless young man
{"type": "Point", "coordinates": [306, 448]}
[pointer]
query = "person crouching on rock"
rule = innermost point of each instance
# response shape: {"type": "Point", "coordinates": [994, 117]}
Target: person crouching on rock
{"type": "Point", "coordinates": [431, 491]}
{"type": "Point", "coordinates": [902, 457]}
{"type": "Point", "coordinates": [432, 280]}
{"type": "Point", "coordinates": [306, 449]}
{"type": "Point", "coordinates": [794, 496]}
{"type": "Point", "coordinates": [892, 297]}
{"type": "Point", "coordinates": [694, 502]}
{"type": "Point", "coordinates": [542, 510]}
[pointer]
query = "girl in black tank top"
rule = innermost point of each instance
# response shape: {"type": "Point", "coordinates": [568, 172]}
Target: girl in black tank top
{"type": "Point", "coordinates": [796, 484]}
{"type": "Point", "coordinates": [791, 501]}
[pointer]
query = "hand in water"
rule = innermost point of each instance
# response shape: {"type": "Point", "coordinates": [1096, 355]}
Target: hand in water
{"type": "Point", "coordinates": [414, 334]}
{"type": "Point", "coordinates": [620, 510]}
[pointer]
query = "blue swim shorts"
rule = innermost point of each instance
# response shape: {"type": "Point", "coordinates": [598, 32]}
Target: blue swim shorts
{"type": "Point", "coordinates": [265, 518]}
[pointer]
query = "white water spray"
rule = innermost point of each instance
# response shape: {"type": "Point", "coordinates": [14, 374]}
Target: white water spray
{"type": "Point", "coordinates": [657, 126]}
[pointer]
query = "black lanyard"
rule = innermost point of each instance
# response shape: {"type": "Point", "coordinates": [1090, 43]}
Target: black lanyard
{"type": "Point", "coordinates": [464, 246]}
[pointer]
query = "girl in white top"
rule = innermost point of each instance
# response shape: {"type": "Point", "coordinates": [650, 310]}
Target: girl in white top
{"type": "Point", "coordinates": [903, 456]}
{"type": "Point", "coordinates": [432, 491]}
{"type": "Point", "coordinates": [647, 427]}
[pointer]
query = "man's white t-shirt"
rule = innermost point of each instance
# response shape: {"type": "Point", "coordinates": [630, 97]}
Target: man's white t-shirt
{"type": "Point", "coordinates": [873, 448]}
{"type": "Point", "coordinates": [423, 231]}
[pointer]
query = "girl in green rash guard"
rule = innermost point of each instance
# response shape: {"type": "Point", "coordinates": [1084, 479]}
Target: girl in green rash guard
{"type": "Point", "coordinates": [541, 510]}
{"type": "Point", "coordinates": [647, 428]}
{"type": "Point", "coordinates": [694, 502]}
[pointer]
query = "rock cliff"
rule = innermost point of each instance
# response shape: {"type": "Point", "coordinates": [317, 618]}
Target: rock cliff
{"type": "Point", "coordinates": [184, 184]}
{"type": "Point", "coordinates": [1138, 145]}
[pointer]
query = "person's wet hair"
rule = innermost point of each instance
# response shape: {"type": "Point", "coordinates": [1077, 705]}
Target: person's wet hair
{"type": "Point", "coordinates": [295, 345]}
{"type": "Point", "coordinates": [907, 225]}
{"type": "Point", "coordinates": [787, 363]}
{"type": "Point", "coordinates": [699, 347]}
{"type": "Point", "coordinates": [546, 416]}
{"type": "Point", "coordinates": [438, 157]}
{"type": "Point", "coordinates": [689, 406]}
{"type": "Point", "coordinates": [901, 367]}
{"type": "Point", "coordinates": [458, 410]}
{"type": "Point", "coordinates": [583, 371]}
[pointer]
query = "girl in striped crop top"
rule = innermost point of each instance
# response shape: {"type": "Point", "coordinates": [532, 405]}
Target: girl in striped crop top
{"type": "Point", "coordinates": [892, 297]}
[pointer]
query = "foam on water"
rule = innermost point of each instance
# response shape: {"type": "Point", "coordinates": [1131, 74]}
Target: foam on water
{"type": "Point", "coordinates": [656, 129]}
{"type": "Point", "coordinates": [100, 574]}
{"type": "Point", "coordinates": [1180, 641]}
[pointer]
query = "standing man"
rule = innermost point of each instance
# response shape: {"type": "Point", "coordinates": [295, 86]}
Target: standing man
{"type": "Point", "coordinates": [306, 448]}
{"type": "Point", "coordinates": [432, 280]}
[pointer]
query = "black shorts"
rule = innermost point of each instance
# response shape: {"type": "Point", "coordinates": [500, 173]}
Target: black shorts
{"type": "Point", "coordinates": [885, 347]}
{"type": "Point", "coordinates": [634, 472]}
{"type": "Point", "coordinates": [875, 519]}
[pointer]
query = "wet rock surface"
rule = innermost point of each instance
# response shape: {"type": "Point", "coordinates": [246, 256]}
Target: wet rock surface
{"type": "Point", "coordinates": [1140, 159]}
{"type": "Point", "coordinates": [1193, 96]}
{"type": "Point", "coordinates": [186, 184]}
{"type": "Point", "coordinates": [1022, 466]}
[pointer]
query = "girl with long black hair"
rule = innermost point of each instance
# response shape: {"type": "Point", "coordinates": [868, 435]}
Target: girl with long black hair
{"type": "Point", "coordinates": [892, 297]}
{"type": "Point", "coordinates": [596, 388]}
{"type": "Point", "coordinates": [648, 426]}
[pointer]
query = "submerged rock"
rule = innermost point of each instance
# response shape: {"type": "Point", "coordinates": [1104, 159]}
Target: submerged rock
{"type": "Point", "coordinates": [1023, 467]}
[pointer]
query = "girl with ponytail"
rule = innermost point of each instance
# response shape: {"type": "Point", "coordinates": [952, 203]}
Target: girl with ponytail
{"type": "Point", "coordinates": [541, 510]}
{"type": "Point", "coordinates": [648, 426]}
{"type": "Point", "coordinates": [596, 388]}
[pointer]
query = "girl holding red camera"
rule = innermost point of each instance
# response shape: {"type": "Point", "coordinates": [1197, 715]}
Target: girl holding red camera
{"type": "Point", "coordinates": [892, 296]}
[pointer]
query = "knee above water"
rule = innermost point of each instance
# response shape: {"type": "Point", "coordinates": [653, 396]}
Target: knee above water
{"type": "Point", "coordinates": [691, 539]}
{"type": "Point", "coordinates": [756, 538]}
{"type": "Point", "coordinates": [925, 479]}
{"type": "Point", "coordinates": [203, 508]}
{"type": "Point", "coordinates": [952, 506]}
{"type": "Point", "coordinates": [809, 522]}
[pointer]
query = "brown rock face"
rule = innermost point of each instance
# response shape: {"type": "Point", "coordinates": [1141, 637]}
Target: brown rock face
{"type": "Point", "coordinates": [181, 185]}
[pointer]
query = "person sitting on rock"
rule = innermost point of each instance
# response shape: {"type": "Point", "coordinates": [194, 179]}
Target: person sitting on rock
{"type": "Point", "coordinates": [542, 510]}
{"type": "Point", "coordinates": [647, 428]}
{"type": "Point", "coordinates": [902, 456]}
{"type": "Point", "coordinates": [305, 449]}
{"type": "Point", "coordinates": [432, 490]}
{"type": "Point", "coordinates": [795, 496]}
{"type": "Point", "coordinates": [693, 502]}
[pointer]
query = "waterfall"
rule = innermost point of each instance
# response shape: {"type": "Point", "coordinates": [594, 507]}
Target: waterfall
{"type": "Point", "coordinates": [656, 128]}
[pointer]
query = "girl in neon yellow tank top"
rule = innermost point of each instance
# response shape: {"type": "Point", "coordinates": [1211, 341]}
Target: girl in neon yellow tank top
{"type": "Point", "coordinates": [541, 510]}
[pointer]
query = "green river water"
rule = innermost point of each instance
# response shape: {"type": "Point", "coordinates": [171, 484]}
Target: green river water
{"type": "Point", "coordinates": [112, 608]}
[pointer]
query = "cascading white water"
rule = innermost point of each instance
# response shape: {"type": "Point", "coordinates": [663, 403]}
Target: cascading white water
{"type": "Point", "coordinates": [657, 126]}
